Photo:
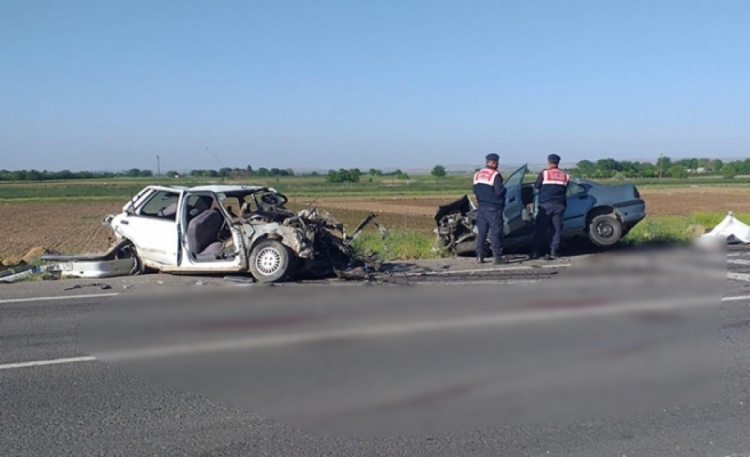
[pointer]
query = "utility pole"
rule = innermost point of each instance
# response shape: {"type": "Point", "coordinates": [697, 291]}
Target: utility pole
{"type": "Point", "coordinates": [158, 170]}
{"type": "Point", "coordinates": [661, 167]}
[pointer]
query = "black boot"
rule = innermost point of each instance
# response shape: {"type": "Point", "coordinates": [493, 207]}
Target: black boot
{"type": "Point", "coordinates": [480, 259]}
{"type": "Point", "coordinates": [555, 254]}
{"type": "Point", "coordinates": [499, 259]}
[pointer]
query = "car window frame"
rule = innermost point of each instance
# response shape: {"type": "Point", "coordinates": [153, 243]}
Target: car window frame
{"type": "Point", "coordinates": [568, 193]}
{"type": "Point", "coordinates": [151, 198]}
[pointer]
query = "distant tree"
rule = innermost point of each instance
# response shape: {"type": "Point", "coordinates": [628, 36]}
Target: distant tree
{"type": "Point", "coordinates": [607, 165]}
{"type": "Point", "coordinates": [438, 171]}
{"type": "Point", "coordinates": [374, 172]}
{"type": "Point", "coordinates": [728, 171]}
{"type": "Point", "coordinates": [34, 175]}
{"type": "Point", "coordinates": [677, 171]}
{"type": "Point", "coordinates": [648, 171]}
{"type": "Point", "coordinates": [172, 173]}
{"type": "Point", "coordinates": [341, 176]}
{"type": "Point", "coordinates": [664, 164]}
{"type": "Point", "coordinates": [586, 166]}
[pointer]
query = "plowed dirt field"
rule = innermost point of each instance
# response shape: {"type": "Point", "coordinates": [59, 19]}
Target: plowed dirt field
{"type": "Point", "coordinates": [76, 227]}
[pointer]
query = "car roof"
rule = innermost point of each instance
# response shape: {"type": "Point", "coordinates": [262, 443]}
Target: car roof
{"type": "Point", "coordinates": [225, 188]}
{"type": "Point", "coordinates": [216, 188]}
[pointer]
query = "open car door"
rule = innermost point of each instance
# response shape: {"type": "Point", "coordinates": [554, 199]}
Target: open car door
{"type": "Point", "coordinates": [514, 206]}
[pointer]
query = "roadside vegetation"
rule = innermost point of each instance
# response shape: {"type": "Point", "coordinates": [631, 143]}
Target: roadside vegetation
{"type": "Point", "coordinates": [670, 229]}
{"type": "Point", "coordinates": [402, 244]}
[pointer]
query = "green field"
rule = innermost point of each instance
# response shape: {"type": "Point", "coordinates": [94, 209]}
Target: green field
{"type": "Point", "coordinates": [120, 189]}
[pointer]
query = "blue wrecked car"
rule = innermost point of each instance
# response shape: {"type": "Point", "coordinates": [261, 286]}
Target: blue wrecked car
{"type": "Point", "coordinates": [601, 214]}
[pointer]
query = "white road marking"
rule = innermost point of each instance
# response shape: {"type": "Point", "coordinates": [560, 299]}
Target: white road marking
{"type": "Point", "coordinates": [39, 363]}
{"type": "Point", "coordinates": [739, 276]}
{"type": "Point", "coordinates": [59, 297]}
{"type": "Point", "coordinates": [738, 298]}
{"type": "Point", "coordinates": [739, 261]}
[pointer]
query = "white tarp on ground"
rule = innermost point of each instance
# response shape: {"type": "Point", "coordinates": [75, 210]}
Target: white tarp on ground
{"type": "Point", "coordinates": [731, 229]}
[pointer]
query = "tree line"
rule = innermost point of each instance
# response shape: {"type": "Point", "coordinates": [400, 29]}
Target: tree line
{"type": "Point", "coordinates": [600, 169]}
{"type": "Point", "coordinates": [664, 167]}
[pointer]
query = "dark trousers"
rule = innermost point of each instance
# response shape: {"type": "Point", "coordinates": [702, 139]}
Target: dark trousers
{"type": "Point", "coordinates": [549, 218]}
{"type": "Point", "coordinates": [490, 220]}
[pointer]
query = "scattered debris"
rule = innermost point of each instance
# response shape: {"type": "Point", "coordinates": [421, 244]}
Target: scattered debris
{"type": "Point", "coordinates": [24, 271]}
{"type": "Point", "coordinates": [240, 279]}
{"type": "Point", "coordinates": [95, 284]}
{"type": "Point", "coordinates": [14, 275]}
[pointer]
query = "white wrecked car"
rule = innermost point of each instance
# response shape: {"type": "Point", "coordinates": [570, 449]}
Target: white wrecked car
{"type": "Point", "coordinates": [230, 229]}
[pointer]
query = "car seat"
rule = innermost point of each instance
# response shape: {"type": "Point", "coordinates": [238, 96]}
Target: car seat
{"type": "Point", "coordinates": [203, 233]}
{"type": "Point", "coordinates": [168, 212]}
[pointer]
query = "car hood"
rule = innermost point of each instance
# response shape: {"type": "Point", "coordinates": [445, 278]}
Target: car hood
{"type": "Point", "coordinates": [463, 204]}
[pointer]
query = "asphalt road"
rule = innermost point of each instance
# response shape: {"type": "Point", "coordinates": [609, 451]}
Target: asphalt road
{"type": "Point", "coordinates": [88, 407]}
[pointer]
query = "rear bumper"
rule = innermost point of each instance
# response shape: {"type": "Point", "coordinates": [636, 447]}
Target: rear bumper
{"type": "Point", "coordinates": [631, 212]}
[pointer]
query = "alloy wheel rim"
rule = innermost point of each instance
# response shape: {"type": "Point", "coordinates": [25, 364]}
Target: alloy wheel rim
{"type": "Point", "coordinates": [268, 261]}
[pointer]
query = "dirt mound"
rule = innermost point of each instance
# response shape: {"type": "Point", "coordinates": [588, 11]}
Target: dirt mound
{"type": "Point", "coordinates": [34, 254]}
{"type": "Point", "coordinates": [12, 261]}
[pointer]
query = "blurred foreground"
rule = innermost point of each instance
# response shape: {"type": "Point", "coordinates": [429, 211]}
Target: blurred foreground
{"type": "Point", "coordinates": [615, 335]}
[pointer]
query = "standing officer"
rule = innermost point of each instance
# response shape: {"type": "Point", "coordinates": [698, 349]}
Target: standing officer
{"type": "Point", "coordinates": [552, 185]}
{"type": "Point", "coordinates": [490, 194]}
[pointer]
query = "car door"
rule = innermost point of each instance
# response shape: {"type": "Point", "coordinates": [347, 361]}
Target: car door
{"type": "Point", "coordinates": [579, 202]}
{"type": "Point", "coordinates": [153, 227]}
{"type": "Point", "coordinates": [513, 213]}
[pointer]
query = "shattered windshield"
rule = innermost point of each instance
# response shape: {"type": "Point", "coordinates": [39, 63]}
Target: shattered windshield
{"type": "Point", "coordinates": [250, 202]}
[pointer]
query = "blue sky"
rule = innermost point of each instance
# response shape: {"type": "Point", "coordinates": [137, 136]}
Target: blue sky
{"type": "Point", "coordinates": [111, 84]}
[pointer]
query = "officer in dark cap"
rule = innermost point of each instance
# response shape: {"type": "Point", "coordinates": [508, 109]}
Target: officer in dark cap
{"type": "Point", "coordinates": [490, 193]}
{"type": "Point", "coordinates": [552, 185]}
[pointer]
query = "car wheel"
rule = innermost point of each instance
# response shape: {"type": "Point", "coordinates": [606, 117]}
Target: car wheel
{"type": "Point", "coordinates": [270, 261]}
{"type": "Point", "coordinates": [605, 230]}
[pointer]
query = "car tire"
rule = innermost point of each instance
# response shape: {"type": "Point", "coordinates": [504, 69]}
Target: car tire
{"type": "Point", "coordinates": [270, 261]}
{"type": "Point", "coordinates": [466, 248]}
{"type": "Point", "coordinates": [605, 230]}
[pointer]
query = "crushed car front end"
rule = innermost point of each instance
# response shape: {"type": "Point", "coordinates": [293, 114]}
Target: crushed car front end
{"type": "Point", "coordinates": [456, 225]}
